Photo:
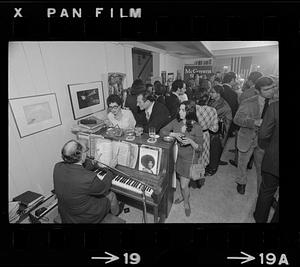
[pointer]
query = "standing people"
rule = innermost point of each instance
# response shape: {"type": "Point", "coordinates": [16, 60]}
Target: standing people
{"type": "Point", "coordinates": [249, 117]}
{"type": "Point", "coordinates": [208, 120]}
{"type": "Point", "coordinates": [269, 133]}
{"type": "Point", "coordinates": [188, 132]}
{"type": "Point", "coordinates": [231, 97]}
{"type": "Point", "coordinates": [173, 101]}
{"type": "Point", "coordinates": [218, 139]}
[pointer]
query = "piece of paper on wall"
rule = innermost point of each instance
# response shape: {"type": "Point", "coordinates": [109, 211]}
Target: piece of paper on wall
{"type": "Point", "coordinates": [116, 83]}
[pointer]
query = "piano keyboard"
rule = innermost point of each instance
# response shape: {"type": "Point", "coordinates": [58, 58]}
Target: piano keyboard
{"type": "Point", "coordinates": [126, 183]}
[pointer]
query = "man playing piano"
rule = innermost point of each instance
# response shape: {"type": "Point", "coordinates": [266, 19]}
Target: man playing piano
{"type": "Point", "coordinates": [82, 196]}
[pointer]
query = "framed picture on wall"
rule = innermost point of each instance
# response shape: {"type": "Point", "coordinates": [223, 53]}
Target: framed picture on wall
{"type": "Point", "coordinates": [86, 98]}
{"type": "Point", "coordinates": [34, 114]}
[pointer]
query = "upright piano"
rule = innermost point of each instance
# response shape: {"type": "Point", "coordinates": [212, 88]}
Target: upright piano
{"type": "Point", "coordinates": [158, 191]}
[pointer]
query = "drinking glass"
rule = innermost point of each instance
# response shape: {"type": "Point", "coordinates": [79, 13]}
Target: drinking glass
{"type": "Point", "coordinates": [152, 133]}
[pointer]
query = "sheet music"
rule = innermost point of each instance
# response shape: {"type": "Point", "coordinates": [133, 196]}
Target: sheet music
{"type": "Point", "coordinates": [104, 151]}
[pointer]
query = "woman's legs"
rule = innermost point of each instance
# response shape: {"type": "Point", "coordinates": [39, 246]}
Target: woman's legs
{"type": "Point", "coordinates": [185, 191]}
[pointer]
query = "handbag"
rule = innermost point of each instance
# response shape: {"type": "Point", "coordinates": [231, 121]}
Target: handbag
{"type": "Point", "coordinates": [197, 170]}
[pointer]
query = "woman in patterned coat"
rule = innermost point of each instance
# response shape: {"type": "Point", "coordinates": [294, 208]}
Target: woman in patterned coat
{"type": "Point", "coordinates": [208, 120]}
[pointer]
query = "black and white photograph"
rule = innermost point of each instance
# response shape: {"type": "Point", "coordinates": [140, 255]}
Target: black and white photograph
{"type": "Point", "coordinates": [212, 102]}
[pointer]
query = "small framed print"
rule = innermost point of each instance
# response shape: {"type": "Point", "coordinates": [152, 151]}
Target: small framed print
{"type": "Point", "coordinates": [34, 114]}
{"type": "Point", "coordinates": [86, 98]}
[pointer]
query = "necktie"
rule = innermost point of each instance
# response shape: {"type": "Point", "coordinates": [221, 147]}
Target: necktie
{"type": "Point", "coordinates": [265, 107]}
{"type": "Point", "coordinates": [147, 115]}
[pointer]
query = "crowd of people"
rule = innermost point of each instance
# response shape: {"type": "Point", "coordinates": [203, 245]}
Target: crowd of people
{"type": "Point", "coordinates": [201, 114]}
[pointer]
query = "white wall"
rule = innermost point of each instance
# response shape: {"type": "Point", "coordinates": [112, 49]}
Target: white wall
{"type": "Point", "coordinates": [171, 64]}
{"type": "Point", "coordinates": [47, 67]}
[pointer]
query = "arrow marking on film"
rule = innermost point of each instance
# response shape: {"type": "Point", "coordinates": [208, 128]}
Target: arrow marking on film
{"type": "Point", "coordinates": [111, 258]}
{"type": "Point", "coordinates": [246, 259]}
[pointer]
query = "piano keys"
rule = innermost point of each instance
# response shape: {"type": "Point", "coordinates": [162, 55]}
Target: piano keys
{"type": "Point", "coordinates": [127, 183]}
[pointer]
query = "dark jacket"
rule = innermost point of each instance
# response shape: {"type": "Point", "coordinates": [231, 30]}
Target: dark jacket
{"type": "Point", "coordinates": [158, 119]}
{"type": "Point", "coordinates": [130, 102]}
{"type": "Point", "coordinates": [80, 193]}
{"type": "Point", "coordinates": [172, 103]}
{"type": "Point", "coordinates": [269, 139]}
{"type": "Point", "coordinates": [231, 98]}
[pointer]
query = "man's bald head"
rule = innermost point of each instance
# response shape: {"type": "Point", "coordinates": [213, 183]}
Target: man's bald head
{"type": "Point", "coordinates": [72, 152]}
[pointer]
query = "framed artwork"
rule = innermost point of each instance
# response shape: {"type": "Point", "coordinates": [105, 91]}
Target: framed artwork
{"type": "Point", "coordinates": [34, 114]}
{"type": "Point", "coordinates": [86, 98]}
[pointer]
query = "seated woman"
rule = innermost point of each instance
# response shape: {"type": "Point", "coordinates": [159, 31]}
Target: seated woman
{"type": "Point", "coordinates": [186, 129]}
{"type": "Point", "coordinates": [117, 116]}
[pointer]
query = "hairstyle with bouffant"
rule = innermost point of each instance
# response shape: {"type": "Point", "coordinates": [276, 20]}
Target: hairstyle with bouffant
{"type": "Point", "coordinates": [146, 159]}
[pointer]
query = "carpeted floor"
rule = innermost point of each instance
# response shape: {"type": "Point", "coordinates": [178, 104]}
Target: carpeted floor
{"type": "Point", "coordinates": [216, 202]}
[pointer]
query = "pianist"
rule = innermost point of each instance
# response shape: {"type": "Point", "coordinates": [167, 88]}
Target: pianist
{"type": "Point", "coordinates": [82, 196]}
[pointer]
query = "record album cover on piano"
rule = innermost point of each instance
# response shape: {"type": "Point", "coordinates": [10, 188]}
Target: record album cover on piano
{"type": "Point", "coordinates": [149, 159]}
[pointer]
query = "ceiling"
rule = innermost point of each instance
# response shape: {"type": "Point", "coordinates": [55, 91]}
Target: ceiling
{"type": "Point", "coordinates": [183, 49]}
{"type": "Point", "coordinates": [207, 49]}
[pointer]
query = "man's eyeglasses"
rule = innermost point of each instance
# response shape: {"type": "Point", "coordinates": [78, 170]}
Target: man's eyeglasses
{"type": "Point", "coordinates": [113, 107]}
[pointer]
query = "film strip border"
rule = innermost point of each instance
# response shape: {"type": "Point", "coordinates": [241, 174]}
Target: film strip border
{"type": "Point", "coordinates": [192, 245]}
{"type": "Point", "coordinates": [188, 21]}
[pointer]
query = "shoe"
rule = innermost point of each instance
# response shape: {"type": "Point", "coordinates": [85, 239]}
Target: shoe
{"type": "Point", "coordinates": [241, 188]}
{"type": "Point", "coordinates": [121, 208]}
{"type": "Point", "coordinates": [200, 183]}
{"type": "Point", "coordinates": [187, 211]}
{"type": "Point", "coordinates": [178, 200]}
{"type": "Point", "coordinates": [221, 162]}
{"type": "Point", "coordinates": [210, 172]}
{"type": "Point", "coordinates": [232, 162]}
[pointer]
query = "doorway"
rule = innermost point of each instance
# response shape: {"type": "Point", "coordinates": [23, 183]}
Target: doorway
{"type": "Point", "coordinates": [142, 64]}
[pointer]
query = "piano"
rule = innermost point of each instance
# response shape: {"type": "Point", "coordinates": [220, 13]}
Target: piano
{"type": "Point", "coordinates": [158, 188]}
{"type": "Point", "coordinates": [127, 183]}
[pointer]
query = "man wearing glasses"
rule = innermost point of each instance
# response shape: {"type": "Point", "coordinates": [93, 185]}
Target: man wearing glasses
{"type": "Point", "coordinates": [249, 117]}
{"type": "Point", "coordinates": [83, 196]}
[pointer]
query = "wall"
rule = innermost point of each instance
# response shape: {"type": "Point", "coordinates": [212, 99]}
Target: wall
{"type": "Point", "coordinates": [268, 60]}
{"type": "Point", "coordinates": [171, 64]}
{"type": "Point", "coordinates": [47, 67]}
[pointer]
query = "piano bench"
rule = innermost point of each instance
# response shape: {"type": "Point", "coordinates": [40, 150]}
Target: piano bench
{"type": "Point", "coordinates": [109, 218]}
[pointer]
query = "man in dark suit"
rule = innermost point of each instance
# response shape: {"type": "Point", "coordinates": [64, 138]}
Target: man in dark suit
{"type": "Point", "coordinates": [137, 87]}
{"type": "Point", "coordinates": [269, 140]}
{"type": "Point", "coordinates": [249, 118]}
{"type": "Point", "coordinates": [155, 114]}
{"type": "Point", "coordinates": [231, 97]}
{"type": "Point", "coordinates": [172, 100]}
{"type": "Point", "coordinates": [82, 196]}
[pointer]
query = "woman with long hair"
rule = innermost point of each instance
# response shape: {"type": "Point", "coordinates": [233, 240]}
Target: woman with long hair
{"type": "Point", "coordinates": [186, 129]}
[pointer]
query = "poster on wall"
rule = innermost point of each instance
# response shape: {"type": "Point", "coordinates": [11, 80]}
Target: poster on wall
{"type": "Point", "coordinates": [191, 70]}
{"type": "Point", "coordinates": [115, 83]}
{"type": "Point", "coordinates": [163, 77]}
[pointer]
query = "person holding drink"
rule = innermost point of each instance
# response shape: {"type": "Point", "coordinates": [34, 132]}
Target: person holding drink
{"type": "Point", "coordinates": [186, 129]}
